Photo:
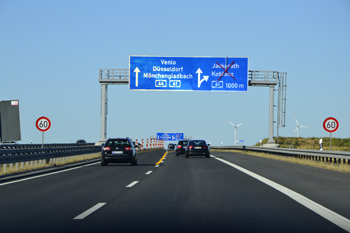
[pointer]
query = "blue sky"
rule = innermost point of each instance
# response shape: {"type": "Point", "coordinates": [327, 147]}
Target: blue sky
{"type": "Point", "coordinates": [51, 53]}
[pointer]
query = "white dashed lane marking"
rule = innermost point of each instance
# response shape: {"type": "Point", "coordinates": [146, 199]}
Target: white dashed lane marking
{"type": "Point", "coordinates": [89, 211]}
{"type": "Point", "coordinates": [132, 184]}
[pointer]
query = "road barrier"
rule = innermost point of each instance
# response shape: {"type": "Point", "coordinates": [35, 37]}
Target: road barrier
{"type": "Point", "coordinates": [26, 157]}
{"type": "Point", "coordinates": [32, 146]}
{"type": "Point", "coordinates": [334, 157]}
{"type": "Point", "coordinates": [22, 153]}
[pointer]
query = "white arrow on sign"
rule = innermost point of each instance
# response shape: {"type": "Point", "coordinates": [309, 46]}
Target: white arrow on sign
{"type": "Point", "coordinates": [200, 81]}
{"type": "Point", "coordinates": [137, 71]}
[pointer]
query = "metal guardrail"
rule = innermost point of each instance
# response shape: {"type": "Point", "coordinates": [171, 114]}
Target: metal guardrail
{"type": "Point", "coordinates": [52, 145]}
{"type": "Point", "coordinates": [313, 154]}
{"type": "Point", "coordinates": [23, 153]}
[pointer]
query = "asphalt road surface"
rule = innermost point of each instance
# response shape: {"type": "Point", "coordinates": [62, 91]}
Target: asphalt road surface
{"type": "Point", "coordinates": [228, 192]}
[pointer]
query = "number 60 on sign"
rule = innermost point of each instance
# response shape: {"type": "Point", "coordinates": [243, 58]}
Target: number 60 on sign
{"type": "Point", "coordinates": [43, 124]}
{"type": "Point", "coordinates": [331, 124]}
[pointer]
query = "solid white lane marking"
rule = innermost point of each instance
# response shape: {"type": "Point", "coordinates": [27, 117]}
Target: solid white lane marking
{"type": "Point", "coordinates": [89, 211]}
{"type": "Point", "coordinates": [149, 172]}
{"type": "Point", "coordinates": [132, 184]}
{"type": "Point", "coordinates": [328, 214]}
{"type": "Point", "coordinates": [48, 174]}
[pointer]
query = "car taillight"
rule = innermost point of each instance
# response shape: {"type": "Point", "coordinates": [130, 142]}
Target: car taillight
{"type": "Point", "coordinates": [179, 146]}
{"type": "Point", "coordinates": [204, 147]}
{"type": "Point", "coordinates": [106, 149]}
{"type": "Point", "coordinates": [128, 148]}
{"type": "Point", "coordinates": [190, 147]}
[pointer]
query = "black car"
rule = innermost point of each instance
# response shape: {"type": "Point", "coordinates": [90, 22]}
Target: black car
{"type": "Point", "coordinates": [197, 147]}
{"type": "Point", "coordinates": [181, 147]}
{"type": "Point", "coordinates": [171, 146]}
{"type": "Point", "coordinates": [81, 141]}
{"type": "Point", "coordinates": [118, 150]}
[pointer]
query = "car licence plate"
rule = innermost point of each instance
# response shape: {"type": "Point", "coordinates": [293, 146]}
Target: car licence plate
{"type": "Point", "coordinates": [198, 147]}
{"type": "Point", "coordinates": [117, 152]}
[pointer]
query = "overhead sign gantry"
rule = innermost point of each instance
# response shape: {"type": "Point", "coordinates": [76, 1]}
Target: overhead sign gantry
{"type": "Point", "coordinates": [195, 74]}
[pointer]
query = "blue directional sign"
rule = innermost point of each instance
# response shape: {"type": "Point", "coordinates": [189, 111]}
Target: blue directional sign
{"type": "Point", "coordinates": [170, 136]}
{"type": "Point", "coordinates": [188, 73]}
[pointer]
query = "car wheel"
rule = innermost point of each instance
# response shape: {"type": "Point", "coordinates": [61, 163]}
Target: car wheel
{"type": "Point", "coordinates": [177, 154]}
{"type": "Point", "coordinates": [187, 155]}
{"type": "Point", "coordinates": [207, 156]}
{"type": "Point", "coordinates": [134, 162]}
{"type": "Point", "coordinates": [104, 163]}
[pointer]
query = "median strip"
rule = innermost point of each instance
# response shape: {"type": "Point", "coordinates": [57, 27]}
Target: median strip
{"type": "Point", "coordinates": [89, 211]}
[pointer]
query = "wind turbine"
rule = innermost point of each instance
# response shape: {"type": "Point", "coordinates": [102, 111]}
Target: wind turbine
{"type": "Point", "coordinates": [236, 129]}
{"type": "Point", "coordinates": [298, 127]}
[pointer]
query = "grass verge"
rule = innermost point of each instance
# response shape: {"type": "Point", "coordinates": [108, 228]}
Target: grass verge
{"type": "Point", "coordinates": [8, 169]}
{"type": "Point", "coordinates": [340, 167]}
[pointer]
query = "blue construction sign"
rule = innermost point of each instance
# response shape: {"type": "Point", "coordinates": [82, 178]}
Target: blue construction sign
{"type": "Point", "coordinates": [188, 73]}
{"type": "Point", "coordinates": [170, 136]}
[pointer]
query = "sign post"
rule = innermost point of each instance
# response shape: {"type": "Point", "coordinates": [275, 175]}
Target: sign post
{"type": "Point", "coordinates": [330, 125]}
{"type": "Point", "coordinates": [43, 124]}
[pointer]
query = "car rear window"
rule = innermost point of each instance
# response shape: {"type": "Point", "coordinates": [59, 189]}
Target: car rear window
{"type": "Point", "coordinates": [183, 142]}
{"type": "Point", "coordinates": [118, 142]}
{"type": "Point", "coordinates": [197, 143]}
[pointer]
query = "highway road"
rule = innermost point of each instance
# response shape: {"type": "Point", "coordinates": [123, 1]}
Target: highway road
{"type": "Point", "coordinates": [228, 192]}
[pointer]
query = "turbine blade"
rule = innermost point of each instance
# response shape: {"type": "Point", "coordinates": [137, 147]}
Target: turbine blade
{"type": "Point", "coordinates": [231, 123]}
{"type": "Point", "coordinates": [296, 120]}
{"type": "Point", "coordinates": [295, 130]}
{"type": "Point", "coordinates": [241, 123]}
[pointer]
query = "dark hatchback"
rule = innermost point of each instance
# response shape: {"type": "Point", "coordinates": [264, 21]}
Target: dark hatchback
{"type": "Point", "coordinates": [118, 150]}
{"type": "Point", "coordinates": [171, 146]}
{"type": "Point", "coordinates": [181, 147]}
{"type": "Point", "coordinates": [197, 147]}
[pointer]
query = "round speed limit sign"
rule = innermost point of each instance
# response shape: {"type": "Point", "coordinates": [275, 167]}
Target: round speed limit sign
{"type": "Point", "coordinates": [330, 124]}
{"type": "Point", "coordinates": [43, 124]}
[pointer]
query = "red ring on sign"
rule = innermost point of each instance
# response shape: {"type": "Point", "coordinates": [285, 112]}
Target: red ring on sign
{"type": "Point", "coordinates": [43, 118]}
{"type": "Point", "coordinates": [324, 124]}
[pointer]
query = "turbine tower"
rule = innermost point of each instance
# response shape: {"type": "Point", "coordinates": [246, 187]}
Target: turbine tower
{"type": "Point", "coordinates": [236, 129]}
{"type": "Point", "coordinates": [298, 127]}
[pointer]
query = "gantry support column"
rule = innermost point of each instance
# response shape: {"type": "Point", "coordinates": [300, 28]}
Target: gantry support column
{"type": "Point", "coordinates": [271, 116]}
{"type": "Point", "coordinates": [104, 104]}
{"type": "Point", "coordinates": [109, 77]}
{"type": "Point", "coordinates": [266, 79]}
